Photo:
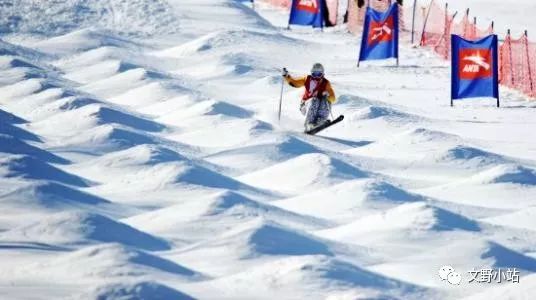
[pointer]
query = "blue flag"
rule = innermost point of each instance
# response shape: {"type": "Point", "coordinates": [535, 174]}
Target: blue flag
{"type": "Point", "coordinates": [475, 71]}
{"type": "Point", "coordinates": [307, 12]}
{"type": "Point", "coordinates": [380, 34]}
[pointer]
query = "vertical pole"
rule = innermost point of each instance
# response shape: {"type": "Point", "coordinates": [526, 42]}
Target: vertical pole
{"type": "Point", "coordinates": [281, 97]}
{"type": "Point", "coordinates": [413, 22]}
{"type": "Point", "coordinates": [290, 15]}
{"type": "Point", "coordinates": [498, 100]}
{"type": "Point", "coordinates": [474, 28]}
{"type": "Point", "coordinates": [466, 22]}
{"type": "Point", "coordinates": [397, 30]}
{"type": "Point", "coordinates": [528, 63]}
{"type": "Point", "coordinates": [496, 82]}
{"type": "Point", "coordinates": [452, 73]}
{"type": "Point", "coordinates": [446, 31]}
{"type": "Point", "coordinates": [509, 38]}
{"type": "Point", "coordinates": [324, 5]}
{"type": "Point", "coordinates": [423, 12]}
{"type": "Point", "coordinates": [492, 27]}
{"type": "Point", "coordinates": [359, 59]}
{"type": "Point", "coordinates": [425, 22]}
{"type": "Point", "coordinates": [449, 34]}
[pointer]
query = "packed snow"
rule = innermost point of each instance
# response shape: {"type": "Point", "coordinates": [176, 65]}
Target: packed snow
{"type": "Point", "coordinates": [141, 157]}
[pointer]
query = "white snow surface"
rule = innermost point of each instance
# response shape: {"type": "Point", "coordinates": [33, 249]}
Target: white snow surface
{"type": "Point", "coordinates": [141, 157]}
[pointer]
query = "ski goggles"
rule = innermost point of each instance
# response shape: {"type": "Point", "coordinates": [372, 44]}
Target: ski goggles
{"type": "Point", "coordinates": [317, 74]}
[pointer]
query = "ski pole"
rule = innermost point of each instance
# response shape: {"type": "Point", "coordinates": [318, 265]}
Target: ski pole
{"type": "Point", "coordinates": [281, 95]}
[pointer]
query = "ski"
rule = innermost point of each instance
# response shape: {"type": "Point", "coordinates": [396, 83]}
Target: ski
{"type": "Point", "coordinates": [325, 125]}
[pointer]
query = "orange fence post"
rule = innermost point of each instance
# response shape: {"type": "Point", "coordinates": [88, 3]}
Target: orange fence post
{"type": "Point", "coordinates": [446, 31]}
{"type": "Point", "coordinates": [465, 22]}
{"type": "Point", "coordinates": [511, 60]}
{"type": "Point", "coordinates": [423, 36]}
{"type": "Point", "coordinates": [528, 63]}
{"type": "Point", "coordinates": [413, 22]}
{"type": "Point", "coordinates": [474, 28]}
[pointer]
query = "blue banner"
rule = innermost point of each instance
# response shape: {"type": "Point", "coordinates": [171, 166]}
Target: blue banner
{"type": "Point", "coordinates": [475, 71]}
{"type": "Point", "coordinates": [307, 12]}
{"type": "Point", "coordinates": [380, 34]}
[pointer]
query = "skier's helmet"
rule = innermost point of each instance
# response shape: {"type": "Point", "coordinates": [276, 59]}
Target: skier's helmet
{"type": "Point", "coordinates": [317, 71]}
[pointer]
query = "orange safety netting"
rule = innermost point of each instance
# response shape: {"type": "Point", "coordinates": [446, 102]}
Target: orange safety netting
{"type": "Point", "coordinates": [435, 29]}
{"type": "Point", "coordinates": [468, 29]}
{"type": "Point", "coordinates": [355, 17]}
{"type": "Point", "coordinates": [333, 7]}
{"type": "Point", "coordinates": [518, 64]}
{"type": "Point", "coordinates": [439, 24]}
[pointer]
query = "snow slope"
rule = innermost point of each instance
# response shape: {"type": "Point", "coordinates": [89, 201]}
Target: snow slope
{"type": "Point", "coordinates": [141, 157]}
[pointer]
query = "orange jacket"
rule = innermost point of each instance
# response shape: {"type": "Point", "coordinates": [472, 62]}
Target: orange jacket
{"type": "Point", "coordinates": [301, 81]}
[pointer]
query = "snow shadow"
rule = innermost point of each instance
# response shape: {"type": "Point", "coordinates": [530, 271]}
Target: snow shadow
{"type": "Point", "coordinates": [108, 115]}
{"type": "Point", "coordinates": [75, 228]}
{"type": "Point", "coordinates": [140, 290]}
{"type": "Point", "coordinates": [16, 132]}
{"type": "Point", "coordinates": [13, 145]}
{"type": "Point", "coordinates": [274, 240]}
{"type": "Point", "coordinates": [30, 246]}
{"type": "Point", "coordinates": [32, 168]}
{"type": "Point", "coordinates": [51, 195]}
{"type": "Point", "coordinates": [506, 258]}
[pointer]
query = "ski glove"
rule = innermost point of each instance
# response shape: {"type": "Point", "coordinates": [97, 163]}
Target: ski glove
{"type": "Point", "coordinates": [284, 72]}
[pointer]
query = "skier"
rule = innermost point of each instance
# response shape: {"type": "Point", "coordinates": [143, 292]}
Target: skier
{"type": "Point", "coordinates": [318, 96]}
